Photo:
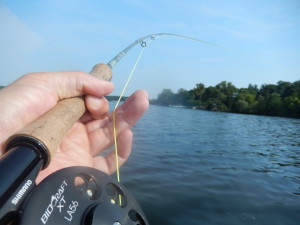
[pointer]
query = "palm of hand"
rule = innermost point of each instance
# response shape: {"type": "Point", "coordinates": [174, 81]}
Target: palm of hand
{"type": "Point", "coordinates": [75, 150]}
{"type": "Point", "coordinates": [87, 139]}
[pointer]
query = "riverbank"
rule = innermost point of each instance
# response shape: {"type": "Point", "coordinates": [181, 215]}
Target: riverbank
{"type": "Point", "coordinates": [281, 99]}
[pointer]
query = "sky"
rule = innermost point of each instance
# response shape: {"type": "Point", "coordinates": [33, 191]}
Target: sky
{"type": "Point", "coordinates": [261, 40]}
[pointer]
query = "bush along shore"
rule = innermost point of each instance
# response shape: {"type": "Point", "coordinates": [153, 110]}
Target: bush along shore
{"type": "Point", "coordinates": [281, 99]}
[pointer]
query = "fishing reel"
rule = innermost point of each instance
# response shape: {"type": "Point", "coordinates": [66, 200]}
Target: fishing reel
{"type": "Point", "coordinates": [81, 196]}
{"type": "Point", "coordinates": [77, 196]}
{"type": "Point", "coordinates": [74, 195]}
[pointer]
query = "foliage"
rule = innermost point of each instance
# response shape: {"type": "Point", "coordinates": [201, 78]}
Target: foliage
{"type": "Point", "coordinates": [281, 99]}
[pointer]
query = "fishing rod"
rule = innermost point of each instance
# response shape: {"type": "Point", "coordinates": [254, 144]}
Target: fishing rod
{"type": "Point", "coordinates": [143, 41]}
{"type": "Point", "coordinates": [58, 199]}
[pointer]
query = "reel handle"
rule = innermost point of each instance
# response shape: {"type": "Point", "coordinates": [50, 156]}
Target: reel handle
{"type": "Point", "coordinates": [46, 133]}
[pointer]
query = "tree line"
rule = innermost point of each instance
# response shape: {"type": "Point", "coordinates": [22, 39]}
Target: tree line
{"type": "Point", "coordinates": [281, 99]}
{"type": "Point", "coordinates": [115, 98]}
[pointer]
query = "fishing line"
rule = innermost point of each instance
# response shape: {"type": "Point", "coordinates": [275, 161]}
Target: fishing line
{"type": "Point", "coordinates": [143, 41]}
{"type": "Point", "coordinates": [114, 116]}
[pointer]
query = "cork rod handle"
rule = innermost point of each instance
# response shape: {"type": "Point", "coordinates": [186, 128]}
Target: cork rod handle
{"type": "Point", "coordinates": [50, 128]}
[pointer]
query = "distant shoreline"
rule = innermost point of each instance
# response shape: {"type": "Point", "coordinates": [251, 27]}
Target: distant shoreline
{"type": "Point", "coordinates": [115, 98]}
{"type": "Point", "coordinates": [281, 99]}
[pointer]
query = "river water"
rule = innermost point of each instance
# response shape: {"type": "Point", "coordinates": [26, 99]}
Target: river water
{"type": "Point", "coordinates": [200, 167]}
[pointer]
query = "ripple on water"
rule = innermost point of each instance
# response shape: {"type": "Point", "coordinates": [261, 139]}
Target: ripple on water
{"type": "Point", "coordinates": [200, 167]}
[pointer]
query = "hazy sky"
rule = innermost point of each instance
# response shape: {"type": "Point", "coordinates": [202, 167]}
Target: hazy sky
{"type": "Point", "coordinates": [51, 35]}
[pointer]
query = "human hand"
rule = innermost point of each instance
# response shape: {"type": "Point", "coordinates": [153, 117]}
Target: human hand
{"type": "Point", "coordinates": [34, 94]}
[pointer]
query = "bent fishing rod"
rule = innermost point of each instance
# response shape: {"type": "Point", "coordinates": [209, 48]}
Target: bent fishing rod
{"type": "Point", "coordinates": [59, 198]}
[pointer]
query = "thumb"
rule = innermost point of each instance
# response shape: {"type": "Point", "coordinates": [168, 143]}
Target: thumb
{"type": "Point", "coordinates": [74, 83]}
{"type": "Point", "coordinates": [34, 94]}
{"type": "Point", "coordinates": [90, 85]}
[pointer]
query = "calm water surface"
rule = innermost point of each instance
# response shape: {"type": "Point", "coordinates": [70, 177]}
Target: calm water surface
{"type": "Point", "coordinates": [200, 167]}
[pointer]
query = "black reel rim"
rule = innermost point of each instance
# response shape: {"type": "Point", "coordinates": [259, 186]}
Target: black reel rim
{"type": "Point", "coordinates": [83, 196]}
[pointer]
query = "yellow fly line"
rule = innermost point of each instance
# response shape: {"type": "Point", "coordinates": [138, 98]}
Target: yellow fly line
{"type": "Point", "coordinates": [114, 120]}
{"type": "Point", "coordinates": [143, 41]}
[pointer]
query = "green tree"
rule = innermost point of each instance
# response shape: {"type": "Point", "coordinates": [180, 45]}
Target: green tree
{"type": "Point", "coordinates": [267, 89]}
{"type": "Point", "coordinates": [182, 97]}
{"type": "Point", "coordinates": [166, 97]}
{"type": "Point", "coordinates": [252, 89]}
{"type": "Point", "coordinates": [228, 90]}
{"type": "Point", "coordinates": [291, 106]}
{"type": "Point", "coordinates": [244, 103]}
{"type": "Point", "coordinates": [284, 88]}
{"type": "Point", "coordinates": [241, 106]}
{"type": "Point", "coordinates": [273, 105]}
{"type": "Point", "coordinates": [215, 104]}
{"type": "Point", "coordinates": [260, 106]}
{"type": "Point", "coordinates": [212, 92]}
{"type": "Point", "coordinates": [198, 91]}
{"type": "Point", "coordinates": [213, 99]}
